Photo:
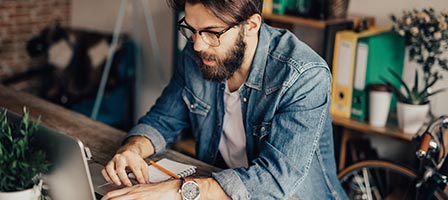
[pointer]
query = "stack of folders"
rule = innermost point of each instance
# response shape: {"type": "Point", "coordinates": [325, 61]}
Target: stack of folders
{"type": "Point", "coordinates": [361, 59]}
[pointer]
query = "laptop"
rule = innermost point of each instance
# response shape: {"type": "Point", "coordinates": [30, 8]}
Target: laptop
{"type": "Point", "coordinates": [70, 177]}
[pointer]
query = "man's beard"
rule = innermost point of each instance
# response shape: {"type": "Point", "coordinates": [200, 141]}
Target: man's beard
{"type": "Point", "coordinates": [225, 68]}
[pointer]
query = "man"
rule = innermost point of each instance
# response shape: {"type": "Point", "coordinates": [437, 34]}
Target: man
{"type": "Point", "coordinates": [256, 99]}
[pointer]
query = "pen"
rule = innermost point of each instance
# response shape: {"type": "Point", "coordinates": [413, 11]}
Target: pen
{"type": "Point", "coordinates": [163, 169]}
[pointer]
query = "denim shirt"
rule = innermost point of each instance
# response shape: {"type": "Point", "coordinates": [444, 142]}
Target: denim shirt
{"type": "Point", "coordinates": [285, 104]}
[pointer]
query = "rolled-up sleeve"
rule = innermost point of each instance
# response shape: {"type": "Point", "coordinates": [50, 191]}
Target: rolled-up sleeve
{"type": "Point", "coordinates": [157, 140]}
{"type": "Point", "coordinates": [232, 184]}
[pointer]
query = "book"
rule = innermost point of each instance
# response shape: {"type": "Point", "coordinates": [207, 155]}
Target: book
{"type": "Point", "coordinates": [343, 69]}
{"type": "Point", "coordinates": [376, 55]}
{"type": "Point", "coordinates": [267, 6]}
{"type": "Point", "coordinates": [330, 36]}
{"type": "Point", "coordinates": [156, 175]}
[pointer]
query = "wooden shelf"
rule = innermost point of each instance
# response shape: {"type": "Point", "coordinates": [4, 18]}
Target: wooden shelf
{"type": "Point", "coordinates": [391, 129]}
{"type": "Point", "coordinates": [315, 23]}
{"type": "Point", "coordinates": [295, 20]}
{"type": "Point", "coordinates": [352, 128]}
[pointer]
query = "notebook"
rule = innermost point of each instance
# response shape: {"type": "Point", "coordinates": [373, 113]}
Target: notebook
{"type": "Point", "coordinates": [181, 169]}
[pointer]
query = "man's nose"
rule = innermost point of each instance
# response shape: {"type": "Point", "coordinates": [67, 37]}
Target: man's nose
{"type": "Point", "coordinates": [199, 44]}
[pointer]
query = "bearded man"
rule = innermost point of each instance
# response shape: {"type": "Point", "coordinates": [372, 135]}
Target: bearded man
{"type": "Point", "coordinates": [257, 102]}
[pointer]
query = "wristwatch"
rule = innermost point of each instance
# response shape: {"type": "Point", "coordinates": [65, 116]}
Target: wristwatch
{"type": "Point", "coordinates": [189, 189]}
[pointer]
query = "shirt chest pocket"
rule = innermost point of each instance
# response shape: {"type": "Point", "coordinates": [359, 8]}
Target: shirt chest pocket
{"type": "Point", "coordinates": [194, 103]}
{"type": "Point", "coordinates": [262, 130]}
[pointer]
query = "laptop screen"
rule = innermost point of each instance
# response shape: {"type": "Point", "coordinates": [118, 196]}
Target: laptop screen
{"type": "Point", "coordinates": [69, 177]}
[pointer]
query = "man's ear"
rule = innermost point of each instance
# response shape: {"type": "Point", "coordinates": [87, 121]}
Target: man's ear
{"type": "Point", "coordinates": [253, 25]}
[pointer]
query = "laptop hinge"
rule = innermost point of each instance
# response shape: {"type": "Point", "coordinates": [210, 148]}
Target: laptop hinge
{"type": "Point", "coordinates": [88, 153]}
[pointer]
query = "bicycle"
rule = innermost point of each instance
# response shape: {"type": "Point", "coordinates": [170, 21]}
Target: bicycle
{"type": "Point", "coordinates": [378, 179]}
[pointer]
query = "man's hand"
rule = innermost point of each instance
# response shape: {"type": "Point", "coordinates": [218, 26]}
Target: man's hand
{"type": "Point", "coordinates": [115, 170]}
{"type": "Point", "coordinates": [130, 156]}
{"type": "Point", "coordinates": [163, 190]}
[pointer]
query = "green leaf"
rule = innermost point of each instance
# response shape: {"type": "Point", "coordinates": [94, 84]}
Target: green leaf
{"type": "Point", "coordinates": [415, 88]}
{"type": "Point", "coordinates": [395, 90]}
{"type": "Point", "coordinates": [426, 95]}
{"type": "Point", "coordinates": [23, 132]}
{"type": "Point", "coordinates": [19, 161]}
{"type": "Point", "coordinates": [398, 77]}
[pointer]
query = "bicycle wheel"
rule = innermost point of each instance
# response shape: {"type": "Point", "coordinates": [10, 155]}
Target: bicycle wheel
{"type": "Point", "coordinates": [376, 179]}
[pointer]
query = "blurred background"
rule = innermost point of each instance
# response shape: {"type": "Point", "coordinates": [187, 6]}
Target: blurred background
{"type": "Point", "coordinates": [57, 49]}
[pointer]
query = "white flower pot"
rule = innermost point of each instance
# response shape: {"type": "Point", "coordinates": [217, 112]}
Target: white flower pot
{"type": "Point", "coordinates": [411, 117]}
{"type": "Point", "coordinates": [28, 194]}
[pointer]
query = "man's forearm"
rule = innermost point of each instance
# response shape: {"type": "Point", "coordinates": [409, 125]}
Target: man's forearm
{"type": "Point", "coordinates": [138, 144]}
{"type": "Point", "coordinates": [210, 189]}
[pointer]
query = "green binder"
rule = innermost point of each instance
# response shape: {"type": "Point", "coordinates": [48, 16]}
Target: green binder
{"type": "Point", "coordinates": [281, 7]}
{"type": "Point", "coordinates": [375, 55]}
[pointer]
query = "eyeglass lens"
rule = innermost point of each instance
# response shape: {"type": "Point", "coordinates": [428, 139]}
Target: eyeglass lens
{"type": "Point", "coordinates": [209, 38]}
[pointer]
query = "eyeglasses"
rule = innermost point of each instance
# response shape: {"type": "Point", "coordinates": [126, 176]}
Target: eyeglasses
{"type": "Point", "coordinates": [209, 37]}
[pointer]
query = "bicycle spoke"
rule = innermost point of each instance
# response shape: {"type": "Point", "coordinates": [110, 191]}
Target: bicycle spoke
{"type": "Point", "coordinates": [367, 181]}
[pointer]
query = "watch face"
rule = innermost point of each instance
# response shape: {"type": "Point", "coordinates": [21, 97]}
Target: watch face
{"type": "Point", "coordinates": [190, 190]}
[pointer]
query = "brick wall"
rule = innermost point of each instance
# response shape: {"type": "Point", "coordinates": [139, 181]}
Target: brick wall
{"type": "Point", "coordinates": [20, 20]}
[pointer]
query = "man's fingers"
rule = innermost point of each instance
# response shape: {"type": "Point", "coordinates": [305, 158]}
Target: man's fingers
{"type": "Point", "coordinates": [138, 175]}
{"type": "Point", "coordinates": [124, 177]}
{"type": "Point", "coordinates": [110, 169]}
{"type": "Point", "coordinates": [115, 170]}
{"type": "Point", "coordinates": [121, 171]}
{"type": "Point", "coordinates": [145, 173]}
{"type": "Point", "coordinates": [105, 175]}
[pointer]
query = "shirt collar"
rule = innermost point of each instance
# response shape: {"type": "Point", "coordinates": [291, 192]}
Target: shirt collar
{"type": "Point", "coordinates": [256, 74]}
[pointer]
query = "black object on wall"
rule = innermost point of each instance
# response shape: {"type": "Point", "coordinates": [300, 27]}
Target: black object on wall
{"type": "Point", "coordinates": [316, 9]}
{"type": "Point", "coordinates": [73, 82]}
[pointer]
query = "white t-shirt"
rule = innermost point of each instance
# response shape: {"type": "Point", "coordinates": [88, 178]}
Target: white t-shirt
{"type": "Point", "coordinates": [233, 139]}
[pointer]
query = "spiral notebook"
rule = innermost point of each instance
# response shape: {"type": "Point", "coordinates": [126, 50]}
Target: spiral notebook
{"type": "Point", "coordinates": [181, 169]}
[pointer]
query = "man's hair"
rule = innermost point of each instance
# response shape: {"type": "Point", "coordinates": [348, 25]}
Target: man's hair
{"type": "Point", "coordinates": [231, 12]}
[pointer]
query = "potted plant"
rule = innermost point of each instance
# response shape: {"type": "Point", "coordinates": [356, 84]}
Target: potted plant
{"type": "Point", "coordinates": [426, 36]}
{"type": "Point", "coordinates": [21, 165]}
{"type": "Point", "coordinates": [412, 103]}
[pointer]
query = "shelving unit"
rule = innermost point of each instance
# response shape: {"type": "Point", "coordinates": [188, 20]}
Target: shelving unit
{"type": "Point", "coordinates": [350, 128]}
{"type": "Point", "coordinates": [322, 24]}
{"type": "Point", "coordinates": [329, 27]}
{"type": "Point", "coordinates": [353, 128]}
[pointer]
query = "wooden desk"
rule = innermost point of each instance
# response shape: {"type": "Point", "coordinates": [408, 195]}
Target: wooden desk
{"type": "Point", "coordinates": [102, 139]}
{"type": "Point", "coordinates": [351, 127]}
